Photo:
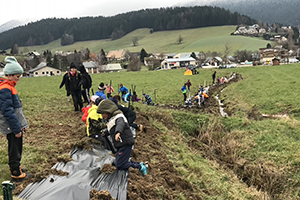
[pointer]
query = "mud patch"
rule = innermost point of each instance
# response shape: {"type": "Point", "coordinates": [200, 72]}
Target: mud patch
{"type": "Point", "coordinates": [103, 195]}
{"type": "Point", "coordinates": [108, 169]}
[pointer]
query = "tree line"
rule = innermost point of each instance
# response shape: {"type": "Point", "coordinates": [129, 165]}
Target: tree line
{"type": "Point", "coordinates": [96, 28]}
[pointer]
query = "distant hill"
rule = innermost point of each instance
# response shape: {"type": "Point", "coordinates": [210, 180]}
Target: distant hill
{"type": "Point", "coordinates": [11, 24]}
{"type": "Point", "coordinates": [285, 12]}
{"type": "Point", "coordinates": [97, 28]}
{"type": "Point", "coordinates": [205, 39]}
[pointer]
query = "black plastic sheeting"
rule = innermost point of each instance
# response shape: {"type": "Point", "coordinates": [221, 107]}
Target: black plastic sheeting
{"type": "Point", "coordinates": [84, 175]}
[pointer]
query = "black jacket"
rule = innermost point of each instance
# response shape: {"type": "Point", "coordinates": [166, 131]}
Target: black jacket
{"type": "Point", "coordinates": [86, 80]}
{"type": "Point", "coordinates": [63, 82]}
{"type": "Point", "coordinates": [73, 82]}
{"type": "Point", "coordinates": [126, 134]}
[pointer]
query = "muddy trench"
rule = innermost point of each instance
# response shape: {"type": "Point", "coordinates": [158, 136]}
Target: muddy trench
{"type": "Point", "coordinates": [263, 176]}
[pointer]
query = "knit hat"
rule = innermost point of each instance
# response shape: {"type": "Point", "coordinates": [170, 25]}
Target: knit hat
{"type": "Point", "coordinates": [101, 86]}
{"type": "Point", "coordinates": [98, 100]}
{"type": "Point", "coordinates": [94, 97]}
{"type": "Point", "coordinates": [12, 66]}
{"type": "Point", "coordinates": [72, 65]}
{"type": "Point", "coordinates": [107, 106]}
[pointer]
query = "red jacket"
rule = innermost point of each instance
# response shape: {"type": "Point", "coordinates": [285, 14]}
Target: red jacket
{"type": "Point", "coordinates": [85, 111]}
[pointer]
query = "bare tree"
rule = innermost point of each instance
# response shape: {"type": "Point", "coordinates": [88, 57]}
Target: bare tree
{"type": "Point", "coordinates": [180, 39]}
{"type": "Point", "coordinates": [227, 50]}
{"type": "Point", "coordinates": [135, 41]}
{"type": "Point", "coordinates": [135, 64]}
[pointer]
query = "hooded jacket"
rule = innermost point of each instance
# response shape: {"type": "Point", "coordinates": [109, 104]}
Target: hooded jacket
{"type": "Point", "coordinates": [117, 123]}
{"type": "Point", "coordinates": [86, 80]}
{"type": "Point", "coordinates": [93, 121]}
{"type": "Point", "coordinates": [12, 118]}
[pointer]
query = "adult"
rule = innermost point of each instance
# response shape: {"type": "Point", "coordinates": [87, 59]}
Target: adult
{"type": "Point", "coordinates": [73, 82]}
{"type": "Point", "coordinates": [122, 137]}
{"type": "Point", "coordinates": [100, 92]}
{"type": "Point", "coordinates": [63, 82]}
{"type": "Point", "coordinates": [214, 77]}
{"type": "Point", "coordinates": [86, 82]}
{"type": "Point", "coordinates": [12, 121]}
{"type": "Point", "coordinates": [123, 91]}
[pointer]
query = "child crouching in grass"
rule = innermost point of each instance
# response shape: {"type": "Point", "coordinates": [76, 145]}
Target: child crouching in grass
{"type": "Point", "coordinates": [121, 134]}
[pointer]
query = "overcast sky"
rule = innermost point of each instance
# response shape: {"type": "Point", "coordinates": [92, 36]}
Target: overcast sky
{"type": "Point", "coordinates": [39, 9]}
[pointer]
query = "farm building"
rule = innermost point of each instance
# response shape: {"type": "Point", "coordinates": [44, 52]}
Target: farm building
{"type": "Point", "coordinates": [113, 67]}
{"type": "Point", "coordinates": [116, 55]}
{"type": "Point", "coordinates": [268, 54]}
{"type": "Point", "coordinates": [43, 70]}
{"type": "Point", "coordinates": [177, 63]}
{"type": "Point", "coordinates": [92, 67]}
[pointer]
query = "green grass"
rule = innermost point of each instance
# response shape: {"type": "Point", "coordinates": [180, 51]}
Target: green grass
{"type": "Point", "coordinates": [194, 40]}
{"type": "Point", "coordinates": [270, 142]}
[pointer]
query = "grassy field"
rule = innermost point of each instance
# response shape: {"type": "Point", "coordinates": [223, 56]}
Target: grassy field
{"type": "Point", "coordinates": [194, 40]}
{"type": "Point", "coordinates": [243, 156]}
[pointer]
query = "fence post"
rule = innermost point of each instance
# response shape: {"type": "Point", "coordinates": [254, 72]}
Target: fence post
{"type": "Point", "coordinates": [8, 187]}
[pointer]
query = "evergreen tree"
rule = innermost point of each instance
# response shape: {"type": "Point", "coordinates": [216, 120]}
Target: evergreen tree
{"type": "Point", "coordinates": [55, 63]}
{"type": "Point", "coordinates": [49, 61]}
{"type": "Point", "coordinates": [193, 55]}
{"type": "Point", "coordinates": [143, 55]}
{"type": "Point", "coordinates": [14, 50]}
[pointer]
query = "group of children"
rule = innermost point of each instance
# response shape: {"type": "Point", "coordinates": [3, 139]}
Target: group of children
{"type": "Point", "coordinates": [104, 118]}
{"type": "Point", "coordinates": [113, 125]}
{"type": "Point", "coordinates": [198, 98]}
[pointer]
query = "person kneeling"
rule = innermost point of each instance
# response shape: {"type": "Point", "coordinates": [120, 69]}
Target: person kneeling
{"type": "Point", "coordinates": [122, 137]}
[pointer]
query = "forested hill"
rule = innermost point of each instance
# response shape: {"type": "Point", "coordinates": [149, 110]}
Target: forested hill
{"type": "Point", "coordinates": [95, 28]}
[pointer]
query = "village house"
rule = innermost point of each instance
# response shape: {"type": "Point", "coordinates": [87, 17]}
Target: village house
{"type": "Point", "coordinates": [177, 63]}
{"type": "Point", "coordinates": [268, 54]}
{"type": "Point", "coordinates": [112, 67]}
{"type": "Point", "coordinates": [91, 67]}
{"type": "Point", "coordinates": [118, 55]}
{"type": "Point", "coordinates": [43, 70]}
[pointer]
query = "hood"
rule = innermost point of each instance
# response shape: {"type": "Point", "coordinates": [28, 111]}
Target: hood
{"type": "Point", "coordinates": [82, 69]}
{"type": "Point", "coordinates": [93, 108]}
{"type": "Point", "coordinates": [108, 106]}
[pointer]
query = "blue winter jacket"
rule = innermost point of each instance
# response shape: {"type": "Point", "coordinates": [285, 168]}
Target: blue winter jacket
{"type": "Point", "coordinates": [12, 118]}
{"type": "Point", "coordinates": [101, 94]}
{"type": "Point", "coordinates": [123, 90]}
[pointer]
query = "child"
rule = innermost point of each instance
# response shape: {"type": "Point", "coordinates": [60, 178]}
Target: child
{"type": "Point", "coordinates": [87, 108]}
{"type": "Point", "coordinates": [94, 120]}
{"type": "Point", "coordinates": [123, 91]}
{"type": "Point", "coordinates": [148, 99]}
{"type": "Point", "coordinates": [183, 89]}
{"type": "Point", "coordinates": [123, 140]}
{"type": "Point", "coordinates": [189, 84]}
{"type": "Point", "coordinates": [12, 121]}
{"type": "Point", "coordinates": [100, 91]}
{"type": "Point", "coordinates": [134, 97]}
{"type": "Point", "coordinates": [109, 90]}
{"type": "Point", "coordinates": [129, 114]}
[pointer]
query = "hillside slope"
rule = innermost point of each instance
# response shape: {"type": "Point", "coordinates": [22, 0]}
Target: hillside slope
{"type": "Point", "coordinates": [194, 40]}
{"type": "Point", "coordinates": [280, 11]}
